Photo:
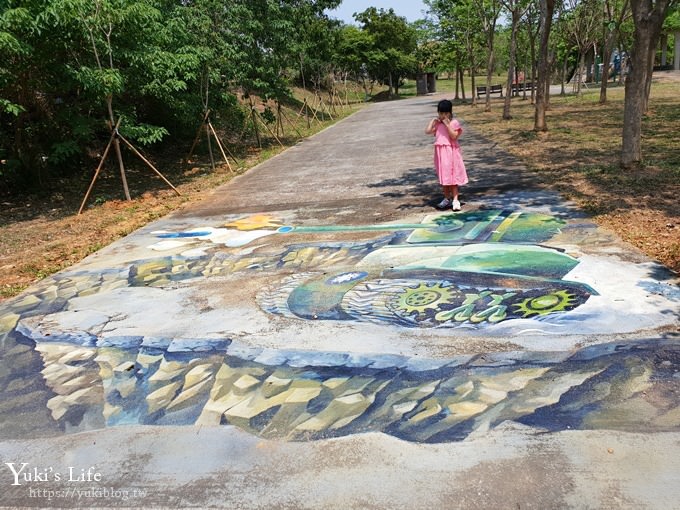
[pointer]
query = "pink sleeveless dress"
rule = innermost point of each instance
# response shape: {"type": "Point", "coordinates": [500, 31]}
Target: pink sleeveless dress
{"type": "Point", "coordinates": [448, 160]}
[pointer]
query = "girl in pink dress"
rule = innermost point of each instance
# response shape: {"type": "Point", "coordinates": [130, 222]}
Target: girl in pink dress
{"type": "Point", "coordinates": [448, 160]}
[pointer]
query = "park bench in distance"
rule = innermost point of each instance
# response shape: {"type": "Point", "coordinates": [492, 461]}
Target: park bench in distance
{"type": "Point", "coordinates": [516, 88]}
{"type": "Point", "coordinates": [495, 89]}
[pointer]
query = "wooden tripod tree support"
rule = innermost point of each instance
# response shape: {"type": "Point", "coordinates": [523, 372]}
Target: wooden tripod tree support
{"type": "Point", "coordinates": [283, 115]}
{"type": "Point", "coordinates": [254, 120]}
{"type": "Point", "coordinates": [305, 109]}
{"type": "Point", "coordinates": [210, 132]}
{"type": "Point", "coordinates": [279, 120]}
{"type": "Point", "coordinates": [255, 116]}
{"type": "Point", "coordinates": [332, 100]}
{"type": "Point", "coordinates": [221, 146]}
{"type": "Point", "coordinates": [321, 103]}
{"type": "Point", "coordinates": [198, 134]}
{"type": "Point", "coordinates": [116, 138]}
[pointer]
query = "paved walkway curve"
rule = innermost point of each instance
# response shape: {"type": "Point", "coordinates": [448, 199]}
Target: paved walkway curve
{"type": "Point", "coordinates": [321, 297]}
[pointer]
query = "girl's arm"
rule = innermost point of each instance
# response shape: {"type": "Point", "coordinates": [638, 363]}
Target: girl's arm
{"type": "Point", "coordinates": [431, 127]}
{"type": "Point", "coordinates": [454, 130]}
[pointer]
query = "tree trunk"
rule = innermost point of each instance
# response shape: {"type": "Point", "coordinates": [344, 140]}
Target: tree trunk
{"type": "Point", "coordinates": [648, 19]}
{"type": "Point", "coordinates": [579, 73]}
{"type": "Point", "coordinates": [511, 64]}
{"type": "Point", "coordinates": [489, 77]}
{"type": "Point", "coordinates": [551, 63]}
{"type": "Point", "coordinates": [474, 86]}
{"type": "Point", "coordinates": [457, 97]}
{"type": "Point", "coordinates": [462, 84]}
{"type": "Point", "coordinates": [606, 57]}
{"type": "Point", "coordinates": [547, 8]}
{"type": "Point", "coordinates": [533, 69]}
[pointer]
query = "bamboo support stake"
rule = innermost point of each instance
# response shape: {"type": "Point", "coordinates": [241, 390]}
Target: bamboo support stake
{"type": "Point", "coordinates": [314, 112]}
{"type": "Point", "coordinates": [101, 165]}
{"type": "Point", "coordinates": [332, 101]}
{"type": "Point", "coordinates": [116, 146]}
{"type": "Point", "coordinates": [198, 134]}
{"type": "Point", "coordinates": [305, 108]}
{"type": "Point", "coordinates": [254, 119]}
{"type": "Point", "coordinates": [317, 111]}
{"type": "Point", "coordinates": [121, 167]}
{"type": "Point", "coordinates": [279, 122]}
{"type": "Point", "coordinates": [219, 144]}
{"type": "Point", "coordinates": [325, 106]}
{"type": "Point", "coordinates": [140, 156]}
{"type": "Point", "coordinates": [238, 161]}
{"type": "Point", "coordinates": [259, 117]}
{"type": "Point", "coordinates": [285, 117]}
{"type": "Point", "coordinates": [212, 158]}
{"type": "Point", "coordinates": [302, 107]}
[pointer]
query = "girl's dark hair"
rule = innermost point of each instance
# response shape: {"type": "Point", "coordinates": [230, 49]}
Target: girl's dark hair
{"type": "Point", "coordinates": [445, 106]}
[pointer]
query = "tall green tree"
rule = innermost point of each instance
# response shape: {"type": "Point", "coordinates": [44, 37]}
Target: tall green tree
{"type": "Point", "coordinates": [69, 67]}
{"type": "Point", "coordinates": [394, 44]}
{"type": "Point", "coordinates": [546, 9]}
{"type": "Point", "coordinates": [648, 18]}
{"type": "Point", "coordinates": [516, 9]}
{"type": "Point", "coordinates": [462, 35]}
{"type": "Point", "coordinates": [615, 13]}
{"type": "Point", "coordinates": [583, 19]}
{"type": "Point", "coordinates": [355, 54]}
{"type": "Point", "coordinates": [488, 12]}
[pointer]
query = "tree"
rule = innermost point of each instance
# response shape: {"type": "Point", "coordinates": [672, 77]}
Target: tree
{"type": "Point", "coordinates": [547, 7]}
{"type": "Point", "coordinates": [70, 66]}
{"type": "Point", "coordinates": [354, 53]}
{"type": "Point", "coordinates": [461, 34]}
{"type": "Point", "coordinates": [394, 44]}
{"type": "Point", "coordinates": [517, 9]}
{"type": "Point", "coordinates": [488, 12]}
{"type": "Point", "coordinates": [563, 45]}
{"type": "Point", "coordinates": [648, 18]}
{"type": "Point", "coordinates": [615, 13]}
{"type": "Point", "coordinates": [583, 19]}
{"type": "Point", "coordinates": [530, 23]}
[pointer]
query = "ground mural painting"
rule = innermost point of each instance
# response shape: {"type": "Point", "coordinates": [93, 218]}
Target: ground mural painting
{"type": "Point", "coordinates": [469, 268]}
{"type": "Point", "coordinates": [472, 271]}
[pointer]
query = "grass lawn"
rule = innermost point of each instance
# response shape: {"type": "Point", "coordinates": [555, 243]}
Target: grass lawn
{"type": "Point", "coordinates": [579, 157]}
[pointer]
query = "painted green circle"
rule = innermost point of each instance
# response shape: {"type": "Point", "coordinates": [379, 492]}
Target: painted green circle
{"type": "Point", "coordinates": [545, 301]}
{"type": "Point", "coordinates": [422, 298]}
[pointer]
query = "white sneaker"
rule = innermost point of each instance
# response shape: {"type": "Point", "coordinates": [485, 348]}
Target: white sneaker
{"type": "Point", "coordinates": [444, 204]}
{"type": "Point", "coordinates": [455, 205]}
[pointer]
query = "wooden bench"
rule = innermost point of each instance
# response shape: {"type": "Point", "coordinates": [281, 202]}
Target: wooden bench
{"type": "Point", "coordinates": [516, 88]}
{"type": "Point", "coordinates": [495, 89]}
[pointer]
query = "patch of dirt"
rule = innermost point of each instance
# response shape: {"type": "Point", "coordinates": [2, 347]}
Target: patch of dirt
{"type": "Point", "coordinates": [43, 234]}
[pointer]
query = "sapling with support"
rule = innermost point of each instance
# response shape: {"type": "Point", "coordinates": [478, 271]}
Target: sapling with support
{"type": "Point", "coordinates": [115, 140]}
{"type": "Point", "coordinates": [210, 132]}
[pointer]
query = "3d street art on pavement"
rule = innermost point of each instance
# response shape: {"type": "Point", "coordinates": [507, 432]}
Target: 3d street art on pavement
{"type": "Point", "coordinates": [281, 348]}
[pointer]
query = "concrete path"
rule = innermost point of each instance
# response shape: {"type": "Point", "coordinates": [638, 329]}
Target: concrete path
{"type": "Point", "coordinates": [315, 334]}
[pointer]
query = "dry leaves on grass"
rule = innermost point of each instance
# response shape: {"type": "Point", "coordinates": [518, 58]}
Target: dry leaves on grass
{"type": "Point", "coordinates": [579, 155]}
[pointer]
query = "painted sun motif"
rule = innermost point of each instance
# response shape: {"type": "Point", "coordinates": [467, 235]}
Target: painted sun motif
{"type": "Point", "coordinates": [556, 301]}
{"type": "Point", "coordinates": [255, 222]}
{"type": "Point", "coordinates": [424, 297]}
